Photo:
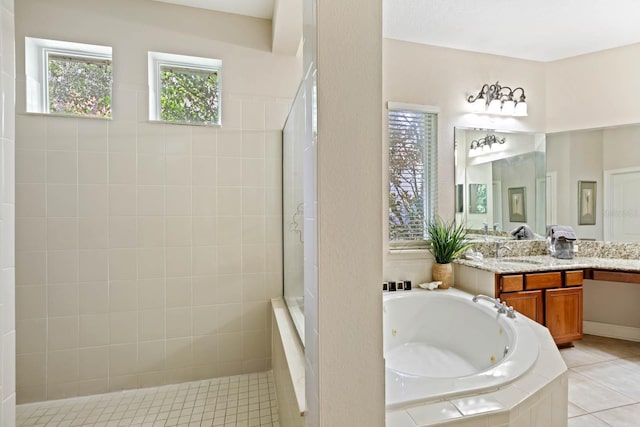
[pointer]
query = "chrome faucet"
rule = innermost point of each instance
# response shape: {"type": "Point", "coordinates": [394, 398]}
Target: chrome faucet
{"type": "Point", "coordinates": [500, 306]}
{"type": "Point", "coordinates": [500, 247]}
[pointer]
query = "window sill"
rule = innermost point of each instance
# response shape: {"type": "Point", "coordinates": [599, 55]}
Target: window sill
{"type": "Point", "coordinates": [406, 253]}
{"type": "Point", "coordinates": [67, 116]}
{"type": "Point", "coordinates": [169, 122]}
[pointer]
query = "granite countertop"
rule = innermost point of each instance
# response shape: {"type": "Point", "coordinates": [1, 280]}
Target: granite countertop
{"type": "Point", "coordinates": [540, 263]}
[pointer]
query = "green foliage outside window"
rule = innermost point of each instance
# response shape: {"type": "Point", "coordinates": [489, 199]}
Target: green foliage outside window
{"type": "Point", "coordinates": [188, 95]}
{"type": "Point", "coordinates": [79, 86]}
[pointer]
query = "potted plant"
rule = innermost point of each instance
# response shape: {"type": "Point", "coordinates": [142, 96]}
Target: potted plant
{"type": "Point", "coordinates": [447, 242]}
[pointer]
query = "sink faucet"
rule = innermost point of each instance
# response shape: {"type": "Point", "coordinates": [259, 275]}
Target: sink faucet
{"type": "Point", "coordinates": [485, 229]}
{"type": "Point", "coordinates": [500, 246]}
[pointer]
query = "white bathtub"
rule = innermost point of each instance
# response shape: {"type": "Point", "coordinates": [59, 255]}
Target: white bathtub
{"type": "Point", "coordinates": [440, 344]}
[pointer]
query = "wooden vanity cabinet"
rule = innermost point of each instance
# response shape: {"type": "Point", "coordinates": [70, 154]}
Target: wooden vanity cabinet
{"type": "Point", "coordinates": [553, 299]}
{"type": "Point", "coordinates": [529, 303]}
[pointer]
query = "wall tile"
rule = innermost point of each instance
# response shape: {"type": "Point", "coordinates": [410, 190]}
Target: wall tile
{"type": "Point", "coordinates": [31, 336]}
{"type": "Point", "coordinates": [122, 168]}
{"type": "Point", "coordinates": [205, 350]}
{"type": "Point", "coordinates": [122, 136]}
{"type": "Point", "coordinates": [62, 266]}
{"type": "Point", "coordinates": [151, 325]}
{"type": "Point", "coordinates": [62, 200]}
{"type": "Point", "coordinates": [178, 230]}
{"type": "Point", "coordinates": [177, 262]}
{"type": "Point", "coordinates": [30, 368]}
{"type": "Point", "coordinates": [229, 172]}
{"type": "Point", "coordinates": [122, 200]}
{"type": "Point", "coordinates": [31, 234]}
{"type": "Point", "coordinates": [203, 201]}
{"type": "Point", "coordinates": [93, 363]}
{"type": "Point", "coordinates": [62, 167]}
{"type": "Point", "coordinates": [179, 353]}
{"type": "Point", "coordinates": [151, 356]}
{"type": "Point", "coordinates": [93, 233]}
{"type": "Point", "coordinates": [62, 233]}
{"type": "Point", "coordinates": [122, 264]}
{"type": "Point", "coordinates": [62, 133]}
{"type": "Point", "coordinates": [151, 200]}
{"type": "Point", "coordinates": [92, 167]}
{"type": "Point", "coordinates": [123, 327]}
{"type": "Point", "coordinates": [93, 330]}
{"type": "Point", "coordinates": [230, 347]}
{"type": "Point", "coordinates": [151, 231]}
{"type": "Point", "coordinates": [93, 298]}
{"type": "Point", "coordinates": [229, 201]}
{"type": "Point", "coordinates": [204, 141]}
{"type": "Point", "coordinates": [151, 293]}
{"type": "Point", "coordinates": [123, 359]}
{"type": "Point", "coordinates": [253, 144]}
{"type": "Point", "coordinates": [178, 170]}
{"type": "Point", "coordinates": [123, 295]}
{"type": "Point", "coordinates": [123, 232]}
{"type": "Point", "coordinates": [93, 135]}
{"type": "Point", "coordinates": [204, 320]}
{"type": "Point", "coordinates": [31, 200]}
{"type": "Point", "coordinates": [31, 166]}
{"type": "Point", "coordinates": [151, 169]}
{"type": "Point", "coordinates": [62, 300]}
{"type": "Point", "coordinates": [31, 268]}
{"type": "Point", "coordinates": [178, 292]}
{"type": "Point", "coordinates": [62, 333]}
{"type": "Point", "coordinates": [93, 266]}
{"type": "Point", "coordinates": [177, 200]}
{"type": "Point", "coordinates": [229, 143]}
{"type": "Point", "coordinates": [178, 322]}
{"type": "Point", "coordinates": [93, 201]}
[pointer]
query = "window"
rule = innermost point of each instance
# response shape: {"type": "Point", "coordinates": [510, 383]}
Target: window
{"type": "Point", "coordinates": [412, 172]}
{"type": "Point", "coordinates": [184, 89]}
{"type": "Point", "coordinates": [68, 78]}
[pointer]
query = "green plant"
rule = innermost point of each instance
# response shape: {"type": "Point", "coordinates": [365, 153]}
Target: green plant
{"type": "Point", "coordinates": [447, 240]}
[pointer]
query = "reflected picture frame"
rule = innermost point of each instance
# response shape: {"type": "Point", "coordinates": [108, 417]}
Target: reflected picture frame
{"type": "Point", "coordinates": [587, 202]}
{"type": "Point", "coordinates": [517, 204]}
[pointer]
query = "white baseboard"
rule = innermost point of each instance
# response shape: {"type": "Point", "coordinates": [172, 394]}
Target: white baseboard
{"type": "Point", "coordinates": [612, 331]}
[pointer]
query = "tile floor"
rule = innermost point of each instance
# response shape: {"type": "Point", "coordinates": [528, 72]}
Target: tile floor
{"type": "Point", "coordinates": [238, 401]}
{"type": "Point", "coordinates": [604, 382]}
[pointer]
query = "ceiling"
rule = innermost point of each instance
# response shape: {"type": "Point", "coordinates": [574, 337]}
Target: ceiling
{"type": "Point", "coordinates": [540, 30]}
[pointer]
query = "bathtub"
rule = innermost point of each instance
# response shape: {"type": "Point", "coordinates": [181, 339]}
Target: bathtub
{"type": "Point", "coordinates": [440, 344]}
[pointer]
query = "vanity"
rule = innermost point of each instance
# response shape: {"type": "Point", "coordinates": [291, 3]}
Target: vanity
{"type": "Point", "coordinates": [545, 289]}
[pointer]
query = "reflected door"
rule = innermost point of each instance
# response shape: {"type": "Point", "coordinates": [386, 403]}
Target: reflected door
{"type": "Point", "coordinates": [622, 205]}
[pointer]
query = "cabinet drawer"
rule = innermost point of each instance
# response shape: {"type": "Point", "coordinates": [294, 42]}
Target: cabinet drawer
{"type": "Point", "coordinates": [573, 278]}
{"type": "Point", "coordinates": [543, 280]}
{"type": "Point", "coordinates": [511, 283]}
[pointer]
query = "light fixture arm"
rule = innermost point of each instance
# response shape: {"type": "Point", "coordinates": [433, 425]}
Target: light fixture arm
{"type": "Point", "coordinates": [501, 94]}
{"type": "Point", "coordinates": [487, 141]}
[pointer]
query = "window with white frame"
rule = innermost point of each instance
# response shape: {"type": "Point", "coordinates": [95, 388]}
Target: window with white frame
{"type": "Point", "coordinates": [68, 78]}
{"type": "Point", "coordinates": [184, 89]}
{"type": "Point", "coordinates": [412, 172]}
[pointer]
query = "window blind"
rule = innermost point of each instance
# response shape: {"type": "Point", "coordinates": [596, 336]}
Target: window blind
{"type": "Point", "coordinates": [412, 174]}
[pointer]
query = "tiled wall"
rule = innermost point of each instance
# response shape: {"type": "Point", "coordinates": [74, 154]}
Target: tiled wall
{"type": "Point", "coordinates": [147, 253]}
{"type": "Point", "coordinates": [7, 217]}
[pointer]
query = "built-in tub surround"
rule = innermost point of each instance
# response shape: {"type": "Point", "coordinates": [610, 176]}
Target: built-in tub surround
{"type": "Point", "coordinates": [538, 398]}
{"type": "Point", "coordinates": [442, 344]}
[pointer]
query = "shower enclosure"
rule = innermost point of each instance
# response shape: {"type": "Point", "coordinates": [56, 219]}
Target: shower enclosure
{"type": "Point", "coordinates": [293, 209]}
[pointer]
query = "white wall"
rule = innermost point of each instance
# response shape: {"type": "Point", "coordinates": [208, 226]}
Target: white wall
{"type": "Point", "coordinates": [7, 215]}
{"type": "Point", "coordinates": [147, 253]}
{"type": "Point", "coordinates": [444, 77]}
{"type": "Point", "coordinates": [347, 367]}
{"type": "Point", "coordinates": [594, 90]}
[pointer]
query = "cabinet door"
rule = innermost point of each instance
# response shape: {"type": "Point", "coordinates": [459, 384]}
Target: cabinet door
{"type": "Point", "coordinates": [563, 313]}
{"type": "Point", "coordinates": [528, 303]}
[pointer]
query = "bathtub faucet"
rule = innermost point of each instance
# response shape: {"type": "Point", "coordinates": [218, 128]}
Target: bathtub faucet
{"type": "Point", "coordinates": [500, 306]}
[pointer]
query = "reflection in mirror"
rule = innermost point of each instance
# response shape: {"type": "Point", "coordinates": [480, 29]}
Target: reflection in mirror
{"type": "Point", "coordinates": [500, 181]}
{"type": "Point", "coordinates": [596, 175]}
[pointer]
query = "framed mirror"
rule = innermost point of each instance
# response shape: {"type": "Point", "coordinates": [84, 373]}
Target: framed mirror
{"type": "Point", "coordinates": [503, 176]}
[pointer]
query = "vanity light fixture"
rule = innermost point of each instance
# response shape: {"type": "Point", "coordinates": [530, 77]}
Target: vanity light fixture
{"type": "Point", "coordinates": [487, 141]}
{"type": "Point", "coordinates": [496, 99]}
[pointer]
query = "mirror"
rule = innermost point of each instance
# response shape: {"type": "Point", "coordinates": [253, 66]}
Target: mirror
{"type": "Point", "coordinates": [500, 181]}
{"type": "Point", "coordinates": [594, 179]}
